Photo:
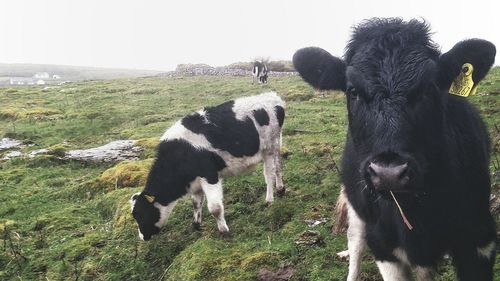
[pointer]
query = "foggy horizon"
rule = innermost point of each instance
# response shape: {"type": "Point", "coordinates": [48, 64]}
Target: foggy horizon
{"type": "Point", "coordinates": [156, 35]}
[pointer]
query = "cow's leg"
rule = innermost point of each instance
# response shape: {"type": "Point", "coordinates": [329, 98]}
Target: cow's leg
{"type": "Point", "coordinates": [278, 167]}
{"type": "Point", "coordinates": [269, 175]}
{"type": "Point", "coordinates": [475, 263]}
{"type": "Point", "coordinates": [355, 243]}
{"type": "Point", "coordinates": [213, 192]}
{"type": "Point", "coordinates": [394, 271]}
{"type": "Point", "coordinates": [197, 200]}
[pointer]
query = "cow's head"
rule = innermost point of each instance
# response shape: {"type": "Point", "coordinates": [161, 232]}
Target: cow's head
{"type": "Point", "coordinates": [148, 214]}
{"type": "Point", "coordinates": [395, 81]}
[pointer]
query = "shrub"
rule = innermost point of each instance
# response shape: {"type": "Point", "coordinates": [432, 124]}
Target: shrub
{"type": "Point", "coordinates": [127, 173]}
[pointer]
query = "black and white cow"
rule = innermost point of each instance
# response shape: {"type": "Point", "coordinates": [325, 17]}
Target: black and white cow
{"type": "Point", "coordinates": [259, 72]}
{"type": "Point", "coordinates": [198, 150]}
{"type": "Point", "coordinates": [409, 141]}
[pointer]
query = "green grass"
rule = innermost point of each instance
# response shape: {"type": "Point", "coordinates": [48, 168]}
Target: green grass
{"type": "Point", "coordinates": [67, 220]}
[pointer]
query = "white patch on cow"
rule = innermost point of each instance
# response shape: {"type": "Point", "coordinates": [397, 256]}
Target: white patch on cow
{"type": "Point", "coordinates": [203, 115]}
{"type": "Point", "coordinates": [195, 186]}
{"type": "Point", "coordinates": [394, 271]}
{"type": "Point", "coordinates": [132, 201]}
{"type": "Point", "coordinates": [178, 131]}
{"type": "Point", "coordinates": [355, 242]}
{"type": "Point", "coordinates": [244, 107]}
{"type": "Point", "coordinates": [399, 270]}
{"type": "Point", "coordinates": [141, 236]}
{"type": "Point", "coordinates": [165, 212]}
{"type": "Point", "coordinates": [401, 256]}
{"type": "Point", "coordinates": [487, 251]}
{"type": "Point", "coordinates": [424, 273]}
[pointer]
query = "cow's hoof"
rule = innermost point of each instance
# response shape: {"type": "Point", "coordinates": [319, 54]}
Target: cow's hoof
{"type": "Point", "coordinates": [196, 226]}
{"type": "Point", "coordinates": [225, 234]}
{"type": "Point", "coordinates": [281, 192]}
{"type": "Point", "coordinates": [343, 256]}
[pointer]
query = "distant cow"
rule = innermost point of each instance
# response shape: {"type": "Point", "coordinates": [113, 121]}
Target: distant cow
{"type": "Point", "coordinates": [411, 144]}
{"type": "Point", "coordinates": [259, 72]}
{"type": "Point", "coordinates": [198, 150]}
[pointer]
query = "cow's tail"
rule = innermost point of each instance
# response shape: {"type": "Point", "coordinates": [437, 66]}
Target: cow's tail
{"type": "Point", "coordinates": [340, 213]}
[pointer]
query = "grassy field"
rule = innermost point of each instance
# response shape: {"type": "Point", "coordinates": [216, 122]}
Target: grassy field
{"type": "Point", "coordinates": [69, 220]}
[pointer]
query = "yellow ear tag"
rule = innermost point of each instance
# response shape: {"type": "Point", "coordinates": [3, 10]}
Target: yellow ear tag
{"type": "Point", "coordinates": [463, 84]}
{"type": "Point", "coordinates": [474, 90]}
{"type": "Point", "coordinates": [150, 198]}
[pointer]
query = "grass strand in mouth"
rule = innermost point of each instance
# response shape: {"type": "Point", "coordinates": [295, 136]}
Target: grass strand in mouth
{"type": "Point", "coordinates": [405, 220]}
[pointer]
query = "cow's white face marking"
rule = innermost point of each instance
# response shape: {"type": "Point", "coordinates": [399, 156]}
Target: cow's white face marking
{"type": "Point", "coordinates": [165, 212]}
{"type": "Point", "coordinates": [203, 115]}
{"type": "Point", "coordinates": [132, 200]}
{"type": "Point", "coordinates": [487, 251]}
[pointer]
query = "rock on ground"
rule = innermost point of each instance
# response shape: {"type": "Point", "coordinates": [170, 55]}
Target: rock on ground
{"type": "Point", "coordinates": [113, 151]}
{"type": "Point", "coordinates": [7, 143]}
{"type": "Point", "coordinates": [12, 154]}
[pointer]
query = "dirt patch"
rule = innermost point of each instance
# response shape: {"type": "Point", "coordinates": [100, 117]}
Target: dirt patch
{"type": "Point", "coordinates": [309, 238]}
{"type": "Point", "coordinates": [282, 274]}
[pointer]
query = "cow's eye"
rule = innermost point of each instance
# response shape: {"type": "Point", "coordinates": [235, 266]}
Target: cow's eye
{"type": "Point", "coordinates": [351, 91]}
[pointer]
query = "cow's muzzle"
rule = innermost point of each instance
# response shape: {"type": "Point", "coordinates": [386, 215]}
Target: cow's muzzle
{"type": "Point", "coordinates": [388, 173]}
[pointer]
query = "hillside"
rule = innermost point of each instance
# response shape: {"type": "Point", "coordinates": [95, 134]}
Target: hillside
{"type": "Point", "coordinates": [71, 73]}
{"type": "Point", "coordinates": [70, 220]}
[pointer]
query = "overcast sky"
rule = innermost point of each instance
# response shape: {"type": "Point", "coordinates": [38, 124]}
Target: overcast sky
{"type": "Point", "coordinates": [150, 34]}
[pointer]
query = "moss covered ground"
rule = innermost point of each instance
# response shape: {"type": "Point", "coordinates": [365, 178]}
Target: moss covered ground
{"type": "Point", "coordinates": [70, 220]}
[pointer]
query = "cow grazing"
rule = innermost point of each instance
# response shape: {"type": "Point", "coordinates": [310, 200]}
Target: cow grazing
{"type": "Point", "coordinates": [409, 141]}
{"type": "Point", "coordinates": [198, 150]}
{"type": "Point", "coordinates": [259, 72]}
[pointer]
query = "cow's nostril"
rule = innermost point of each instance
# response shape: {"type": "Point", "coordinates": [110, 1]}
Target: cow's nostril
{"type": "Point", "coordinates": [403, 171]}
{"type": "Point", "coordinates": [371, 170]}
{"type": "Point", "coordinates": [388, 176]}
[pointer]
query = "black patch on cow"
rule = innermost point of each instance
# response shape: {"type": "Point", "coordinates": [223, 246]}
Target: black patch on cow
{"type": "Point", "coordinates": [280, 114]}
{"type": "Point", "coordinates": [177, 164]}
{"type": "Point", "coordinates": [224, 131]}
{"type": "Point", "coordinates": [261, 117]}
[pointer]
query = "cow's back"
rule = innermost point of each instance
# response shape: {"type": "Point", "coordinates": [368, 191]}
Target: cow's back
{"type": "Point", "coordinates": [238, 130]}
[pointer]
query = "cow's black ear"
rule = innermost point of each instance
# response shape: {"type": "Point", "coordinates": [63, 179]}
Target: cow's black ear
{"type": "Point", "coordinates": [480, 53]}
{"type": "Point", "coordinates": [320, 69]}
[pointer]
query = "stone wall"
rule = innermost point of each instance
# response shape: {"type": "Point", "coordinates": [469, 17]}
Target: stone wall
{"type": "Point", "coordinates": [204, 69]}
